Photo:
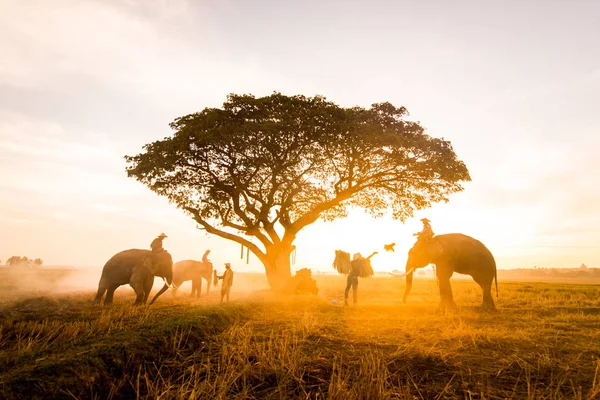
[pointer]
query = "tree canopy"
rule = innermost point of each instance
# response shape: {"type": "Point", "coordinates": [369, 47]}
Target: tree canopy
{"type": "Point", "coordinates": [258, 170]}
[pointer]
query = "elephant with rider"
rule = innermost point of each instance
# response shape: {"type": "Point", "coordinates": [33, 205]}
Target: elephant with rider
{"type": "Point", "coordinates": [137, 268]}
{"type": "Point", "coordinates": [452, 253]}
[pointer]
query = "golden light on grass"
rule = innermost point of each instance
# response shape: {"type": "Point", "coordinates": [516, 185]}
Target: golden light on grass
{"type": "Point", "coordinates": [541, 344]}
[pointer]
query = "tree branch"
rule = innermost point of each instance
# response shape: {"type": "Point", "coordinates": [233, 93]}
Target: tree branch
{"type": "Point", "coordinates": [226, 235]}
{"type": "Point", "coordinates": [314, 214]}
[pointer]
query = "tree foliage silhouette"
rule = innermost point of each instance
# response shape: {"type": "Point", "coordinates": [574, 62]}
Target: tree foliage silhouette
{"type": "Point", "coordinates": [259, 170]}
{"type": "Point", "coordinates": [24, 261]}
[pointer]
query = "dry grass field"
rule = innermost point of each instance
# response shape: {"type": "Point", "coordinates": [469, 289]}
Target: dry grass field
{"type": "Point", "coordinates": [543, 343]}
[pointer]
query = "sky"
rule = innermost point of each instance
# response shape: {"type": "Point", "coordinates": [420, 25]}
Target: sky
{"type": "Point", "coordinates": [514, 85]}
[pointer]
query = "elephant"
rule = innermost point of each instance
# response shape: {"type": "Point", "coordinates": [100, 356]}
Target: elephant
{"type": "Point", "coordinates": [192, 270]}
{"type": "Point", "coordinates": [454, 252]}
{"type": "Point", "coordinates": [138, 268]}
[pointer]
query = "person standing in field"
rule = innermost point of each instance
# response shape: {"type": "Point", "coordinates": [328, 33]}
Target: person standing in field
{"type": "Point", "coordinates": [227, 278]}
{"type": "Point", "coordinates": [352, 280]}
{"type": "Point", "coordinates": [357, 264]}
{"type": "Point", "coordinates": [157, 244]}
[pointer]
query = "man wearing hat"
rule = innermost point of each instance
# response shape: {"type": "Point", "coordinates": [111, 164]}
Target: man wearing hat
{"type": "Point", "coordinates": [157, 245]}
{"type": "Point", "coordinates": [427, 232]}
{"type": "Point", "coordinates": [227, 281]}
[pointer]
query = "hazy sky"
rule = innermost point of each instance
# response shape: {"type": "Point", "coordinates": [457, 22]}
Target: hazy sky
{"type": "Point", "coordinates": [514, 85]}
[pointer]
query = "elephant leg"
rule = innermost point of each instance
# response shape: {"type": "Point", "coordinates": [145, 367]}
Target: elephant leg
{"type": "Point", "coordinates": [488, 300]}
{"type": "Point", "coordinates": [148, 283]}
{"type": "Point", "coordinates": [101, 290]}
{"type": "Point", "coordinates": [208, 285]}
{"type": "Point", "coordinates": [138, 287]}
{"type": "Point", "coordinates": [446, 298]}
{"type": "Point", "coordinates": [109, 294]}
{"type": "Point", "coordinates": [486, 287]}
{"type": "Point", "coordinates": [194, 288]}
{"type": "Point", "coordinates": [199, 287]}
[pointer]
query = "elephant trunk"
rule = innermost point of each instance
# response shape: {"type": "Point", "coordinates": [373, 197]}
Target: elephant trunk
{"type": "Point", "coordinates": [168, 278]}
{"type": "Point", "coordinates": [161, 291]}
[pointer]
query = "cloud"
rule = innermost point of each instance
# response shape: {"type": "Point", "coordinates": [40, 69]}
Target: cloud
{"type": "Point", "coordinates": [155, 49]}
{"type": "Point", "coordinates": [84, 82]}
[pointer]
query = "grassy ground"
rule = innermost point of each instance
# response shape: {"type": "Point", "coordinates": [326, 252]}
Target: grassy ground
{"type": "Point", "coordinates": [544, 343]}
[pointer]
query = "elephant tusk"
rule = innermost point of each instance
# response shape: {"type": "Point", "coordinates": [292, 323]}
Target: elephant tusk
{"type": "Point", "coordinates": [410, 271]}
{"type": "Point", "coordinates": [171, 286]}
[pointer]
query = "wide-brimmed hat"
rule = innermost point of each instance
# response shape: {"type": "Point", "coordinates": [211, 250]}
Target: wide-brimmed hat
{"type": "Point", "coordinates": [162, 235]}
{"type": "Point", "coordinates": [425, 220]}
{"type": "Point", "coordinates": [228, 265]}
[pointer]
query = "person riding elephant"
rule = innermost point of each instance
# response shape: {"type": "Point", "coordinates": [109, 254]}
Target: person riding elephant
{"type": "Point", "coordinates": [205, 256]}
{"type": "Point", "coordinates": [426, 233]}
{"type": "Point", "coordinates": [157, 244]}
{"type": "Point", "coordinates": [454, 252]}
{"type": "Point", "coordinates": [195, 271]}
{"type": "Point", "coordinates": [137, 268]}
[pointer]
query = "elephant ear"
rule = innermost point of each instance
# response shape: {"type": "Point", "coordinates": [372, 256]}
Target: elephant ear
{"type": "Point", "coordinates": [426, 252]}
{"type": "Point", "coordinates": [164, 257]}
{"type": "Point", "coordinates": [435, 250]}
{"type": "Point", "coordinates": [149, 265]}
{"type": "Point", "coordinates": [157, 263]}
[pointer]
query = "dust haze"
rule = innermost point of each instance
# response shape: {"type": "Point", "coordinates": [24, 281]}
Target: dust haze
{"type": "Point", "coordinates": [23, 282]}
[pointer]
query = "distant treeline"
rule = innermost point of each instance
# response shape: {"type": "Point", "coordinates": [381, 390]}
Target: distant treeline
{"type": "Point", "coordinates": [552, 273]}
{"type": "Point", "coordinates": [24, 261]}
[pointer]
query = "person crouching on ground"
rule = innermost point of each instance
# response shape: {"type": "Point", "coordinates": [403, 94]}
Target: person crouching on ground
{"type": "Point", "coordinates": [227, 278]}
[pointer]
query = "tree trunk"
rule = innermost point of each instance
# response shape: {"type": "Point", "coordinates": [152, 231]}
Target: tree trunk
{"type": "Point", "coordinates": [278, 266]}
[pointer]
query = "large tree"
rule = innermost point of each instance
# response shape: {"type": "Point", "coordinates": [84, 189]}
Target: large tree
{"type": "Point", "coordinates": [259, 170]}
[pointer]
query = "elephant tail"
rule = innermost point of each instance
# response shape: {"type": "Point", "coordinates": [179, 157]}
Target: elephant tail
{"type": "Point", "coordinates": [496, 279]}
